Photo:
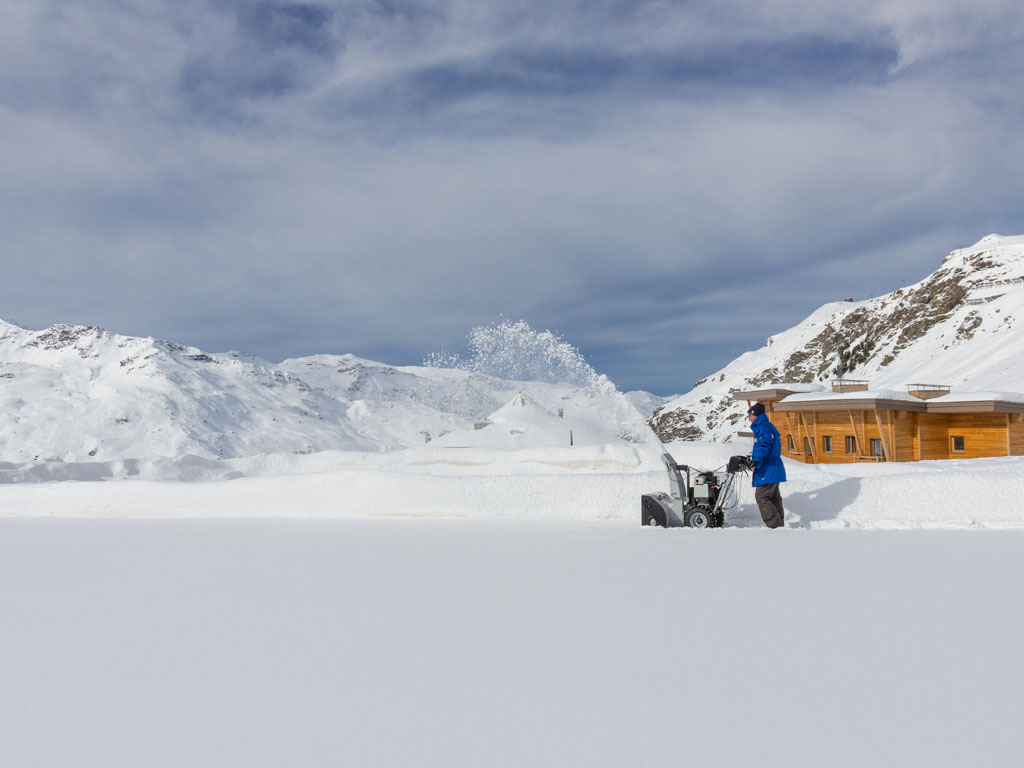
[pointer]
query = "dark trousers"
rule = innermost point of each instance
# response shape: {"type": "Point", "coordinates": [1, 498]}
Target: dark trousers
{"type": "Point", "coordinates": [769, 501]}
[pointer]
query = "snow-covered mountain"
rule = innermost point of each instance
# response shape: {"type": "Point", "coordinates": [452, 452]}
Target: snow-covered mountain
{"type": "Point", "coordinates": [82, 394]}
{"type": "Point", "coordinates": [962, 326]}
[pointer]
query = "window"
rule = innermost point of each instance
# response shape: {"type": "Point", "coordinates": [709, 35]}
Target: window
{"type": "Point", "coordinates": [958, 443]}
{"type": "Point", "coordinates": [876, 446]}
{"type": "Point", "coordinates": [807, 445]}
{"type": "Point", "coordinates": [790, 444]}
{"type": "Point", "coordinates": [826, 443]}
{"type": "Point", "coordinates": [851, 445]}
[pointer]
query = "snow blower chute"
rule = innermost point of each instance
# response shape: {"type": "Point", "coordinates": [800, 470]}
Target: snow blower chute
{"type": "Point", "coordinates": [701, 503]}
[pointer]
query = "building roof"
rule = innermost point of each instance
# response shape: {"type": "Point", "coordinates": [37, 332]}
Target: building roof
{"type": "Point", "coordinates": [973, 402]}
{"type": "Point", "coordinates": [862, 400]}
{"type": "Point", "coordinates": [890, 400]}
{"type": "Point", "coordinates": [776, 391]}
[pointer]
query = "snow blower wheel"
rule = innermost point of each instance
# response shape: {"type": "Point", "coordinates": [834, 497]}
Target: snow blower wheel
{"type": "Point", "coordinates": [698, 518]}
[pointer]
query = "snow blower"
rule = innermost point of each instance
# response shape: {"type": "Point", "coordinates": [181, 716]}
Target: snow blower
{"type": "Point", "coordinates": [701, 503]}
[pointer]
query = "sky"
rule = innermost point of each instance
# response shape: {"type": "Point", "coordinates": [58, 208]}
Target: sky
{"type": "Point", "coordinates": [663, 184]}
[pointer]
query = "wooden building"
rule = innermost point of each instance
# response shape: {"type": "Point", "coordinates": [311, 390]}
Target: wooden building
{"type": "Point", "coordinates": [854, 423]}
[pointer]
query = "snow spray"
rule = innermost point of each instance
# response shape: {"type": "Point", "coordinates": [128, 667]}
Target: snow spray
{"type": "Point", "coordinates": [516, 352]}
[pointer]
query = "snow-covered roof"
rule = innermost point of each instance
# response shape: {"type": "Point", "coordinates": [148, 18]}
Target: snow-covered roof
{"type": "Point", "coordinates": [866, 398]}
{"type": "Point", "coordinates": [861, 394]}
{"type": "Point", "coordinates": [797, 387]}
{"type": "Point", "coordinates": [773, 391]}
{"type": "Point", "coordinates": [972, 397]}
{"type": "Point", "coordinates": [962, 401]}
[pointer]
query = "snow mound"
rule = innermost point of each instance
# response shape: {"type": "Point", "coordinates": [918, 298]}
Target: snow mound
{"type": "Point", "coordinates": [521, 423]}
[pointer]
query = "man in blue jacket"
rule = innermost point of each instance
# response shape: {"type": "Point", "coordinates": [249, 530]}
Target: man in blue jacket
{"type": "Point", "coordinates": [769, 470]}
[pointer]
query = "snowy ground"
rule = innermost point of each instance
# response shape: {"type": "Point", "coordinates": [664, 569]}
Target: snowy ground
{"type": "Point", "coordinates": [480, 607]}
{"type": "Point", "coordinates": [499, 643]}
{"type": "Point", "coordinates": [580, 484]}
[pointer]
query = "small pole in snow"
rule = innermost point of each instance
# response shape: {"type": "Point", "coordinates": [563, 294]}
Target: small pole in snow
{"type": "Point", "coordinates": [570, 437]}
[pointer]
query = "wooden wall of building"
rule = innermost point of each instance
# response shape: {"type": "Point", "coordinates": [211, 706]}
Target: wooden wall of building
{"type": "Point", "coordinates": [1015, 425]}
{"type": "Point", "coordinates": [984, 434]}
{"type": "Point", "coordinates": [933, 436]}
{"type": "Point", "coordinates": [906, 424]}
{"type": "Point", "coordinates": [899, 434]}
{"type": "Point", "coordinates": [908, 435]}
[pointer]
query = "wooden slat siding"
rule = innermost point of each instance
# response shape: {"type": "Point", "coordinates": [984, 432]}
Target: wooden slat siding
{"type": "Point", "coordinates": [906, 437]}
{"type": "Point", "coordinates": [892, 436]}
{"type": "Point", "coordinates": [898, 435]}
{"type": "Point", "coordinates": [856, 439]}
{"type": "Point", "coordinates": [933, 436]}
{"type": "Point", "coordinates": [889, 435]}
{"type": "Point", "coordinates": [805, 441]}
{"type": "Point", "coordinates": [983, 434]}
{"type": "Point", "coordinates": [864, 446]}
{"type": "Point", "coordinates": [789, 427]}
{"type": "Point", "coordinates": [1017, 434]}
{"type": "Point", "coordinates": [835, 424]}
{"type": "Point", "coordinates": [878, 423]}
{"type": "Point", "coordinates": [886, 450]}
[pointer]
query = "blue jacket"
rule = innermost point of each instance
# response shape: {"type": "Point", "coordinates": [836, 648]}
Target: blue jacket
{"type": "Point", "coordinates": [767, 453]}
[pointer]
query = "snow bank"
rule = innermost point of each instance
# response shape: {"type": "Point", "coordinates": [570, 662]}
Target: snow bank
{"type": "Point", "coordinates": [548, 484]}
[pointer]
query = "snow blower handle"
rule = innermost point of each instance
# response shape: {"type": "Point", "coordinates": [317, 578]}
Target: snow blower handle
{"type": "Point", "coordinates": [740, 464]}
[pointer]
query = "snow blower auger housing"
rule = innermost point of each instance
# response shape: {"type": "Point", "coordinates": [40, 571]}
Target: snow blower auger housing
{"type": "Point", "coordinates": [699, 500]}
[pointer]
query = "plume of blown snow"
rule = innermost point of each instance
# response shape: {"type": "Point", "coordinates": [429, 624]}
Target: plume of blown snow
{"type": "Point", "coordinates": [516, 352]}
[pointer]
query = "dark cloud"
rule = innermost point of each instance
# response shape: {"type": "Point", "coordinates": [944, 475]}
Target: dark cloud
{"type": "Point", "coordinates": [293, 26]}
{"type": "Point", "coordinates": [533, 79]}
{"type": "Point", "coordinates": [762, 64]}
{"type": "Point", "coordinates": [271, 51]}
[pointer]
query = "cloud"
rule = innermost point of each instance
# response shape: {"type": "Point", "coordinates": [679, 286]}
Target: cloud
{"type": "Point", "coordinates": [665, 184]}
{"type": "Point", "coordinates": [268, 51]}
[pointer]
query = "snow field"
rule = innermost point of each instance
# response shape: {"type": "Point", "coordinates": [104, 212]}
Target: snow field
{"type": "Point", "coordinates": [589, 483]}
{"type": "Point", "coordinates": [457, 643]}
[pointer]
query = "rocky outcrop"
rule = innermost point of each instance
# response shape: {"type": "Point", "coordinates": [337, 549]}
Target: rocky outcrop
{"type": "Point", "coordinates": [675, 424]}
